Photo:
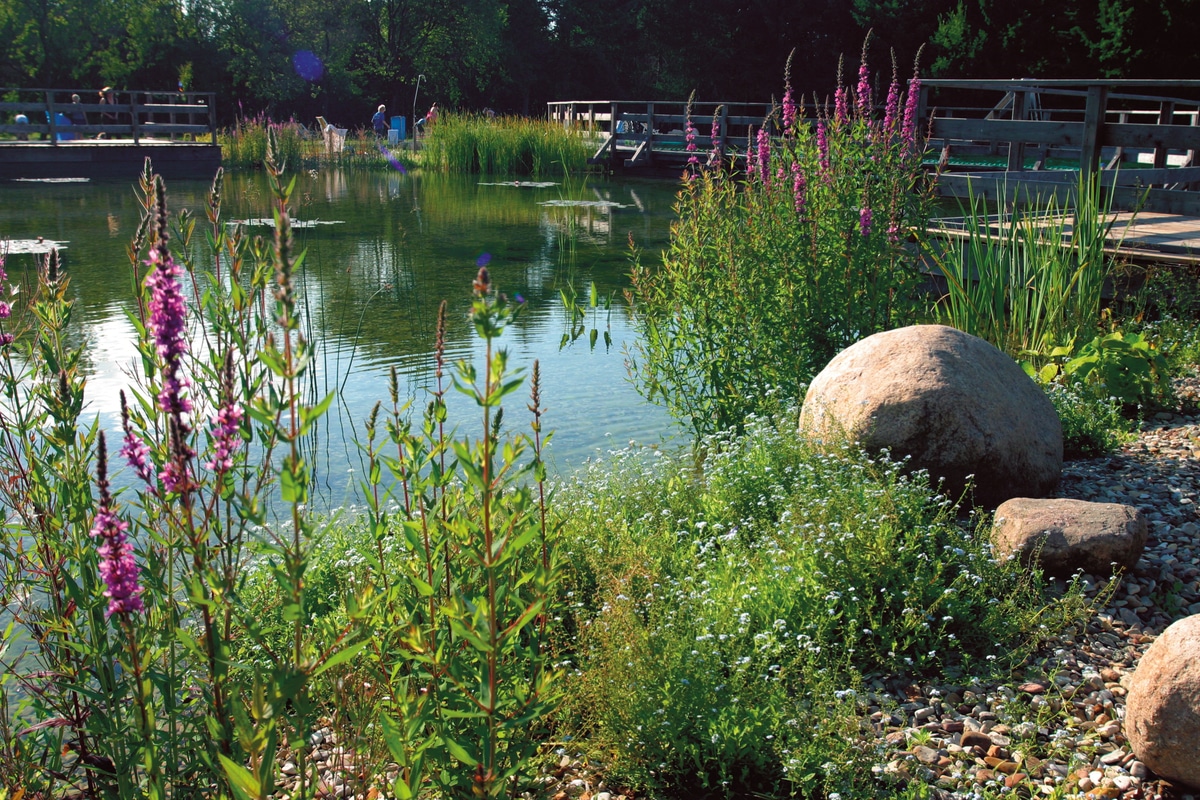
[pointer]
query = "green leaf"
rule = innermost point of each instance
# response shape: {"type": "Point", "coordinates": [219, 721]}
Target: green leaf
{"type": "Point", "coordinates": [244, 784]}
{"type": "Point", "coordinates": [341, 657]}
{"type": "Point", "coordinates": [458, 751]}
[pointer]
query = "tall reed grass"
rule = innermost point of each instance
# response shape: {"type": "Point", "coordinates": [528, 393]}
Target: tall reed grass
{"type": "Point", "coordinates": [1030, 277]}
{"type": "Point", "coordinates": [466, 143]}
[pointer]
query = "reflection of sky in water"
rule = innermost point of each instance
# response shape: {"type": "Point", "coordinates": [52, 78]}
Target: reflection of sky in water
{"type": "Point", "coordinates": [370, 287]}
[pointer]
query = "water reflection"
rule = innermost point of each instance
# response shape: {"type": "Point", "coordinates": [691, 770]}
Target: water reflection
{"type": "Point", "coordinates": [396, 245]}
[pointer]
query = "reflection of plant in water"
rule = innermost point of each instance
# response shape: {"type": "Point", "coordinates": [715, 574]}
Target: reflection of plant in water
{"type": "Point", "coordinates": [577, 315]}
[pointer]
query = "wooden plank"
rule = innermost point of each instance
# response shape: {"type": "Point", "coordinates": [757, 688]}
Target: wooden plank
{"type": "Point", "coordinates": [1152, 137]}
{"type": "Point", "coordinates": [1007, 130]}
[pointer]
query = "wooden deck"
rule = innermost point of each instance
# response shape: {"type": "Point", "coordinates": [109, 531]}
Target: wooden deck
{"type": "Point", "coordinates": [1148, 237]}
{"type": "Point", "coordinates": [110, 139]}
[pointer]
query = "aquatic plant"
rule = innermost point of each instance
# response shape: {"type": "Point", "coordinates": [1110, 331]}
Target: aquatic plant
{"type": "Point", "coordinates": [770, 274]}
{"type": "Point", "coordinates": [168, 638]}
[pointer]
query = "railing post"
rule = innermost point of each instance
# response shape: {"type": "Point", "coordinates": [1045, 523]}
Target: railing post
{"type": "Point", "coordinates": [1166, 112]}
{"type": "Point", "coordinates": [50, 119]}
{"type": "Point", "coordinates": [649, 127]}
{"type": "Point", "coordinates": [1016, 150]}
{"type": "Point", "coordinates": [1093, 124]}
{"type": "Point", "coordinates": [133, 117]}
{"type": "Point", "coordinates": [613, 118]}
{"type": "Point", "coordinates": [212, 118]}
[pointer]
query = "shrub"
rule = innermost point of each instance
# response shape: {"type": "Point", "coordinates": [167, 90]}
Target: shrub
{"type": "Point", "coordinates": [767, 278]}
{"type": "Point", "coordinates": [727, 618]}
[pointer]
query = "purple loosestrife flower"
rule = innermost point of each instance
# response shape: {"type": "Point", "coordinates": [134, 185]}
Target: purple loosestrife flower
{"type": "Point", "coordinates": [134, 450]}
{"type": "Point", "coordinates": [789, 110]}
{"type": "Point", "coordinates": [864, 87]}
{"type": "Point", "coordinates": [5, 310]}
{"type": "Point", "coordinates": [908, 132]}
{"type": "Point", "coordinates": [750, 153]}
{"type": "Point", "coordinates": [799, 188]}
{"type": "Point", "coordinates": [840, 113]}
{"type": "Point", "coordinates": [891, 110]}
{"type": "Point", "coordinates": [168, 323]}
{"type": "Point", "coordinates": [226, 433]}
{"type": "Point", "coordinates": [714, 138]}
{"type": "Point", "coordinates": [690, 137]}
{"type": "Point", "coordinates": [764, 155]}
{"type": "Point", "coordinates": [823, 146]}
{"type": "Point", "coordinates": [864, 220]}
{"type": "Point", "coordinates": [893, 233]}
{"type": "Point", "coordinates": [118, 569]}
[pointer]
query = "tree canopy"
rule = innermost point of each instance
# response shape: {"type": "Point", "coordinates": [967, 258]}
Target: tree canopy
{"type": "Point", "coordinates": [307, 57]}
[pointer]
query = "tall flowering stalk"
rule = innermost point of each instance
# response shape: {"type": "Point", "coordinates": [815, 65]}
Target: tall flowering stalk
{"type": "Point", "coordinates": [118, 568]}
{"type": "Point", "coordinates": [714, 138]}
{"type": "Point", "coordinates": [863, 96]}
{"type": "Point", "coordinates": [799, 260]}
{"type": "Point", "coordinates": [789, 98]}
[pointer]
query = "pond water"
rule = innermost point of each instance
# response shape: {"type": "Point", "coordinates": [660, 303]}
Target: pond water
{"type": "Point", "coordinates": [384, 249]}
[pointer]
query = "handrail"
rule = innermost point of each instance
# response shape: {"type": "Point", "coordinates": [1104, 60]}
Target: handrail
{"type": "Point", "coordinates": [125, 113]}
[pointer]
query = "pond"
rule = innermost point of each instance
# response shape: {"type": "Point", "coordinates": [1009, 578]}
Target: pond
{"type": "Point", "coordinates": [384, 249]}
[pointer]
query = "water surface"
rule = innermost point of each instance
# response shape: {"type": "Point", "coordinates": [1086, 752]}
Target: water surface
{"type": "Point", "coordinates": [384, 249]}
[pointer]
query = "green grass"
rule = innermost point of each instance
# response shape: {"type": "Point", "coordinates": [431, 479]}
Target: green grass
{"type": "Point", "coordinates": [502, 146]}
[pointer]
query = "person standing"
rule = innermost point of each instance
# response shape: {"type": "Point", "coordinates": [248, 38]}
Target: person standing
{"type": "Point", "coordinates": [379, 122]}
{"type": "Point", "coordinates": [431, 117]}
{"type": "Point", "coordinates": [107, 116]}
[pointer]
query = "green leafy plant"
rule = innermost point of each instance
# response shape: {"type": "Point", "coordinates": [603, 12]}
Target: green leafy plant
{"type": "Point", "coordinates": [1124, 366]}
{"type": "Point", "coordinates": [728, 620]}
{"type": "Point", "coordinates": [1028, 277]}
{"type": "Point", "coordinates": [765, 279]}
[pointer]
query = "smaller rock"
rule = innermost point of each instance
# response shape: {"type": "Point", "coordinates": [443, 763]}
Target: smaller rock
{"type": "Point", "coordinates": [1071, 534]}
{"type": "Point", "coordinates": [975, 739]}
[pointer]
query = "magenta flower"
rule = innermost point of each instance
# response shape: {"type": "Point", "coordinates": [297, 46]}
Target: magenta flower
{"type": "Point", "coordinates": [841, 114]}
{"type": "Point", "coordinates": [823, 146]}
{"type": "Point", "coordinates": [6, 339]}
{"type": "Point", "coordinates": [690, 138]}
{"type": "Point", "coordinates": [5, 309]}
{"type": "Point", "coordinates": [118, 568]}
{"type": "Point", "coordinates": [864, 220]}
{"type": "Point", "coordinates": [893, 233]}
{"type": "Point", "coordinates": [714, 139]}
{"type": "Point", "coordinates": [168, 325]}
{"type": "Point", "coordinates": [864, 87]}
{"type": "Point", "coordinates": [908, 132]}
{"type": "Point", "coordinates": [134, 450]}
{"type": "Point", "coordinates": [789, 110]}
{"type": "Point", "coordinates": [891, 110]}
{"type": "Point", "coordinates": [750, 154]}
{"type": "Point", "coordinates": [799, 188]}
{"type": "Point", "coordinates": [226, 434]}
{"type": "Point", "coordinates": [764, 155]}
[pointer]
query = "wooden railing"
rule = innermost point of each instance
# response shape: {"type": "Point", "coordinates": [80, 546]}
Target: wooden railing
{"type": "Point", "coordinates": [1111, 126]}
{"type": "Point", "coordinates": [126, 115]}
{"type": "Point", "coordinates": [648, 126]}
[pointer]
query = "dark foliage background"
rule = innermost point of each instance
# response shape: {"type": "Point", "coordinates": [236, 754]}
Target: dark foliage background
{"type": "Point", "coordinates": [514, 55]}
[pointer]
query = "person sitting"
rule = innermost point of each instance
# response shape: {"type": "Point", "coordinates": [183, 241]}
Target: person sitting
{"type": "Point", "coordinates": [21, 119]}
{"type": "Point", "coordinates": [78, 117]}
{"type": "Point", "coordinates": [379, 122]}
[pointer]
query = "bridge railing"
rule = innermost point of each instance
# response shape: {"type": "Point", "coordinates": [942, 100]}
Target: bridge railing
{"type": "Point", "coordinates": [1142, 136]}
{"type": "Point", "coordinates": [650, 125]}
{"type": "Point", "coordinates": [138, 115]}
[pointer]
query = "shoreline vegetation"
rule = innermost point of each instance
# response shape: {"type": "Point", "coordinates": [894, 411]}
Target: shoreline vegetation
{"type": "Point", "coordinates": [716, 622]}
{"type": "Point", "coordinates": [457, 143]}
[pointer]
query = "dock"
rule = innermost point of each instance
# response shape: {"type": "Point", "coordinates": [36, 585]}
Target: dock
{"type": "Point", "coordinates": [60, 138]}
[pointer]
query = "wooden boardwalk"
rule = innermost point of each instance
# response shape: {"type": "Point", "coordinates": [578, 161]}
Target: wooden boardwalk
{"type": "Point", "coordinates": [1146, 237]}
{"type": "Point", "coordinates": [57, 138]}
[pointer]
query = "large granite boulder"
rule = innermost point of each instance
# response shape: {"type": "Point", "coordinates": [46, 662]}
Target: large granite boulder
{"type": "Point", "coordinates": [953, 402]}
{"type": "Point", "coordinates": [1162, 711]}
{"type": "Point", "coordinates": [1068, 535]}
